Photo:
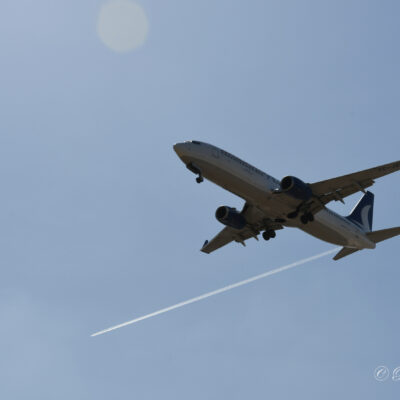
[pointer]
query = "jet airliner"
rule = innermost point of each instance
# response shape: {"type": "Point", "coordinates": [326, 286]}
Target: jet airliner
{"type": "Point", "coordinates": [271, 205]}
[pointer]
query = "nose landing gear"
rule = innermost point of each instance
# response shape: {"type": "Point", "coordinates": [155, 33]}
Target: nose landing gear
{"type": "Point", "coordinates": [195, 170]}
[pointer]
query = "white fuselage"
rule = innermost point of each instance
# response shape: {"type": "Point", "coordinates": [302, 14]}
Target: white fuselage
{"type": "Point", "coordinates": [257, 187]}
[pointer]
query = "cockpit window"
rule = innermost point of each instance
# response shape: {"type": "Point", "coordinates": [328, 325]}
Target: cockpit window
{"type": "Point", "coordinates": [195, 142]}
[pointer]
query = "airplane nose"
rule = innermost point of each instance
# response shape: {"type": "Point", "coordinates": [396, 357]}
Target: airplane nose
{"type": "Point", "coordinates": [179, 148]}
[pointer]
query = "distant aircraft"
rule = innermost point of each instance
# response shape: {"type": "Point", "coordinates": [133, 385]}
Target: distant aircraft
{"type": "Point", "coordinates": [271, 204]}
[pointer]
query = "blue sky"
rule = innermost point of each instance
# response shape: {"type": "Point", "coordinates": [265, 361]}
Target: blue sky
{"type": "Point", "coordinates": [100, 222]}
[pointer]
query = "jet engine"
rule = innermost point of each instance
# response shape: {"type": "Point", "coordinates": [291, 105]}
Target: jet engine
{"type": "Point", "coordinates": [230, 217]}
{"type": "Point", "coordinates": [296, 188]}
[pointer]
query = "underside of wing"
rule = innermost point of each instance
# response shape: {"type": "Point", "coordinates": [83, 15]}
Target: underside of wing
{"type": "Point", "coordinates": [224, 237]}
{"type": "Point", "coordinates": [256, 222]}
{"type": "Point", "coordinates": [346, 185]}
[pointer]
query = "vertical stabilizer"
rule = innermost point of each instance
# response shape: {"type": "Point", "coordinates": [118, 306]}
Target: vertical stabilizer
{"type": "Point", "coordinates": [363, 212]}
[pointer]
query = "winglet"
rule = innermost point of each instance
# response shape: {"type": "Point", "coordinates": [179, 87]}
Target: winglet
{"type": "Point", "coordinates": [203, 249]}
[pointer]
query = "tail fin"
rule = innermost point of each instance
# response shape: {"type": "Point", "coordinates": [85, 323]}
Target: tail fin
{"type": "Point", "coordinates": [363, 212]}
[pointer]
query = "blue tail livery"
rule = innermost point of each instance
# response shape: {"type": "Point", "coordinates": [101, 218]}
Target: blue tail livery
{"type": "Point", "coordinates": [362, 213]}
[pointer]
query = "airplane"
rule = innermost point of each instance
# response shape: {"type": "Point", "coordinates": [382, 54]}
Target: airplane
{"type": "Point", "coordinates": [271, 205]}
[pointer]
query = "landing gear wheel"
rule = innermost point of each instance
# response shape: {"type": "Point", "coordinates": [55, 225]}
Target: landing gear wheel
{"type": "Point", "coordinates": [265, 235]}
{"type": "Point", "coordinates": [191, 167]}
{"type": "Point", "coordinates": [304, 219]}
{"type": "Point", "coordinates": [307, 217]}
{"type": "Point", "coordinates": [270, 233]}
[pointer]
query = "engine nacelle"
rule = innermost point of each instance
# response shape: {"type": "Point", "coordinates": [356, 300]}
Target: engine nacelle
{"type": "Point", "coordinates": [230, 217]}
{"type": "Point", "coordinates": [296, 188]}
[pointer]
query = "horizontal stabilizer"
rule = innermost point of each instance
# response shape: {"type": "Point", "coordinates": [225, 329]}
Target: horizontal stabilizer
{"type": "Point", "coordinates": [344, 252]}
{"type": "Point", "coordinates": [376, 237]}
{"type": "Point", "coordinates": [379, 236]}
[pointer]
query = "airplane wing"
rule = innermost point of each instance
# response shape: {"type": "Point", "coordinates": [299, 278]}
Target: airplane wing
{"type": "Point", "coordinates": [346, 185]}
{"type": "Point", "coordinates": [257, 222]}
{"type": "Point", "coordinates": [224, 237]}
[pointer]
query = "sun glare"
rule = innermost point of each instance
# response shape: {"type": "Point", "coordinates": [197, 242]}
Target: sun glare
{"type": "Point", "coordinates": [122, 25]}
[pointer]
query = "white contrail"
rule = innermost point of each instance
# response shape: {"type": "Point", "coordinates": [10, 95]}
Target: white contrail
{"type": "Point", "coordinates": [218, 291]}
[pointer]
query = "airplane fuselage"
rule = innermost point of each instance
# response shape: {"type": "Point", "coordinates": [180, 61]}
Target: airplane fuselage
{"type": "Point", "coordinates": [259, 188]}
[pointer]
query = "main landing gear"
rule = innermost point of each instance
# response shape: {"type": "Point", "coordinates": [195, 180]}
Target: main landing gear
{"type": "Point", "coordinates": [293, 215]}
{"type": "Point", "coordinates": [268, 234]}
{"type": "Point", "coordinates": [305, 218]}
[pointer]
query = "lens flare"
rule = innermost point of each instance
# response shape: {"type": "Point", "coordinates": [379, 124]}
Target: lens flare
{"type": "Point", "coordinates": [122, 25]}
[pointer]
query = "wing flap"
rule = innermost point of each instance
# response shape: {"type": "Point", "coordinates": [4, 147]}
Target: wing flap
{"type": "Point", "coordinates": [340, 193]}
{"type": "Point", "coordinates": [221, 239]}
{"type": "Point", "coordinates": [346, 185]}
{"type": "Point", "coordinates": [226, 236]}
